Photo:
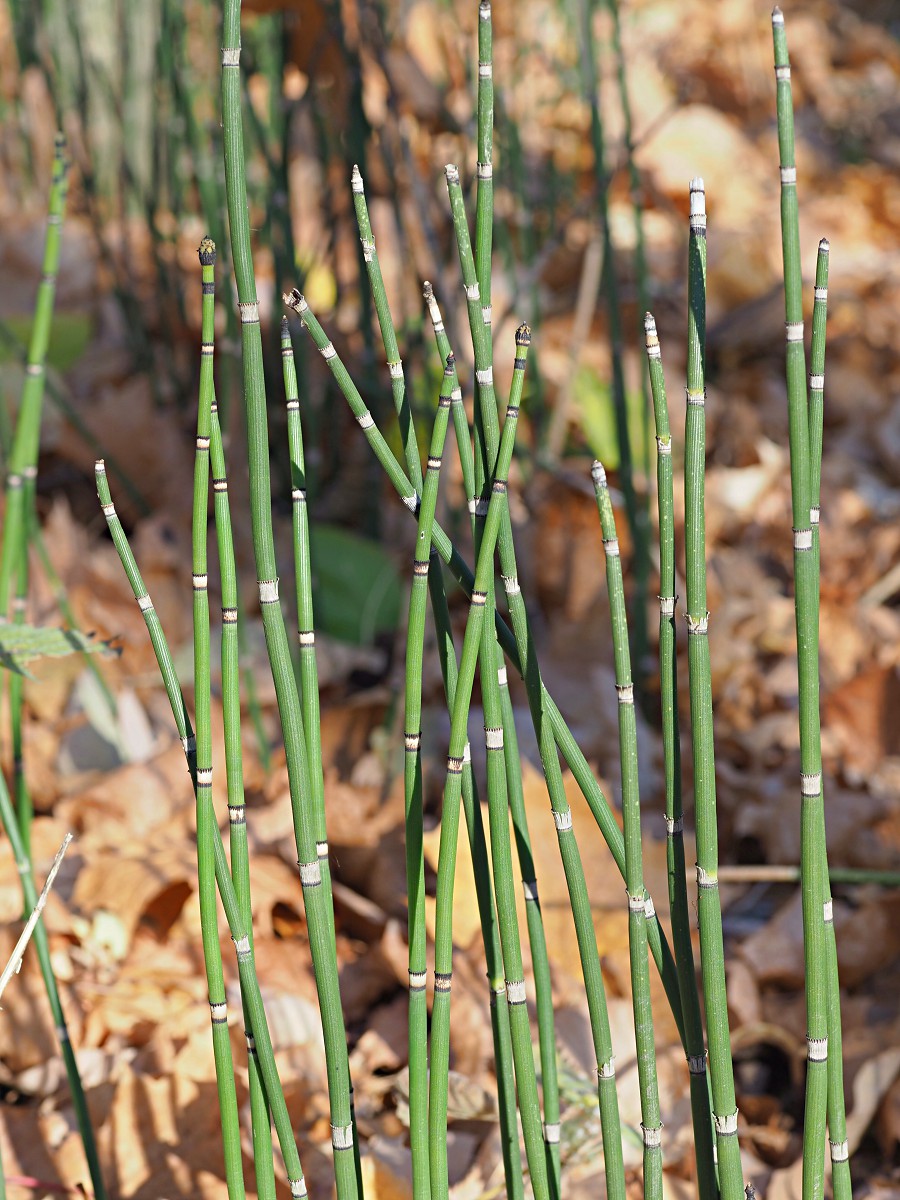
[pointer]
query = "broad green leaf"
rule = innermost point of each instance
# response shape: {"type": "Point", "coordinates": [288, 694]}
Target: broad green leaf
{"type": "Point", "coordinates": [20, 644]}
{"type": "Point", "coordinates": [356, 588]}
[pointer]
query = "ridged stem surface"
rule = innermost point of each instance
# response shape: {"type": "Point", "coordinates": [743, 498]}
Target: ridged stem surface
{"type": "Point", "coordinates": [813, 858]}
{"type": "Point", "coordinates": [709, 911]}
{"type": "Point", "coordinates": [679, 906]}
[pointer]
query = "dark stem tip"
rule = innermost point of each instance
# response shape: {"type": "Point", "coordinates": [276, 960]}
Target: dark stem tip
{"type": "Point", "coordinates": [523, 335]}
{"type": "Point", "coordinates": [451, 364]}
{"type": "Point", "coordinates": [294, 299]}
{"type": "Point", "coordinates": [824, 246]}
{"type": "Point", "coordinates": [100, 467]}
{"type": "Point", "coordinates": [427, 290]}
{"type": "Point", "coordinates": [649, 322]}
{"type": "Point", "coordinates": [285, 329]}
{"type": "Point", "coordinates": [59, 143]}
{"type": "Point", "coordinates": [598, 473]}
{"type": "Point", "coordinates": [777, 16]}
{"type": "Point", "coordinates": [207, 252]}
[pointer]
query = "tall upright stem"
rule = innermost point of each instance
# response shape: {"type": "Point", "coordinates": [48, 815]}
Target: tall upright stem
{"type": "Point", "coordinates": [712, 952]}
{"type": "Point", "coordinates": [813, 858]}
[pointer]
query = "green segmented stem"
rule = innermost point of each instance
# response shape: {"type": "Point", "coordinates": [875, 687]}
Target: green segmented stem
{"type": "Point", "coordinates": [239, 931]}
{"type": "Point", "coordinates": [568, 747]}
{"type": "Point", "coordinates": [712, 952]}
{"type": "Point", "coordinates": [460, 420]}
{"type": "Point", "coordinates": [415, 858]}
{"type": "Point", "coordinates": [507, 783]}
{"type": "Point", "coordinates": [206, 870]}
{"type": "Point", "coordinates": [261, 1130]}
{"type": "Point", "coordinates": [320, 918]}
{"type": "Point", "coordinates": [484, 891]}
{"type": "Point", "coordinates": [521, 1038]}
{"type": "Point", "coordinates": [813, 857]}
{"type": "Point", "coordinates": [388, 333]}
{"type": "Point", "coordinates": [668, 676]}
{"type": "Point", "coordinates": [635, 508]}
{"type": "Point", "coordinates": [837, 1121]}
{"type": "Point", "coordinates": [500, 1026]}
{"type": "Point", "coordinates": [638, 899]}
{"type": "Point", "coordinates": [484, 204]}
{"type": "Point", "coordinates": [21, 474]}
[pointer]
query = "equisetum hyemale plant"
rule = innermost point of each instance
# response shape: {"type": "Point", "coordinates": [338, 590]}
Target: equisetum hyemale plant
{"type": "Point", "coordinates": [497, 637]}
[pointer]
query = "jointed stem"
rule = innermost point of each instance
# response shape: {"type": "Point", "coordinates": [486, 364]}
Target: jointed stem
{"type": "Point", "coordinates": [668, 676]}
{"type": "Point", "coordinates": [813, 858]}
{"type": "Point", "coordinates": [712, 953]}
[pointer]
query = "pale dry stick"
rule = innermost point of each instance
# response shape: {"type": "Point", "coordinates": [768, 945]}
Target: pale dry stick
{"type": "Point", "coordinates": [15, 959]}
{"type": "Point", "coordinates": [695, 1050]}
{"type": "Point", "coordinates": [813, 854]}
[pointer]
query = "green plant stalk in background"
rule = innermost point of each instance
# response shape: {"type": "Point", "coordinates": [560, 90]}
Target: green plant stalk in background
{"type": "Point", "coordinates": [837, 1121]}
{"type": "Point", "coordinates": [813, 857]}
{"type": "Point", "coordinates": [712, 952]}
{"type": "Point", "coordinates": [250, 992]}
{"type": "Point", "coordinates": [261, 1129]}
{"type": "Point", "coordinates": [639, 902]}
{"type": "Point", "coordinates": [317, 900]}
{"type": "Point", "coordinates": [415, 857]}
{"type": "Point", "coordinates": [22, 469]}
{"type": "Point", "coordinates": [668, 685]}
{"type": "Point", "coordinates": [635, 507]}
{"type": "Point", "coordinates": [206, 818]}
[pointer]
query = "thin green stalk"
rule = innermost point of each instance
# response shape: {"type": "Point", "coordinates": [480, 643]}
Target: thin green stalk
{"type": "Point", "coordinates": [500, 1025]}
{"type": "Point", "coordinates": [668, 676]}
{"type": "Point", "coordinates": [709, 911]}
{"type": "Point", "coordinates": [638, 899]}
{"type": "Point", "coordinates": [206, 871]}
{"type": "Point", "coordinates": [484, 204]}
{"type": "Point", "coordinates": [415, 858]}
{"type": "Point", "coordinates": [239, 931]}
{"type": "Point", "coordinates": [568, 747]}
{"type": "Point", "coordinates": [837, 1121]}
{"type": "Point", "coordinates": [317, 903]}
{"type": "Point", "coordinates": [505, 783]}
{"type": "Point", "coordinates": [813, 856]}
{"type": "Point", "coordinates": [261, 1130]}
{"type": "Point", "coordinates": [635, 507]}
{"type": "Point", "coordinates": [515, 988]}
{"type": "Point", "coordinates": [484, 891]}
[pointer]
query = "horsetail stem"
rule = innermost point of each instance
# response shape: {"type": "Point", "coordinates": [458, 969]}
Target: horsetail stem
{"type": "Point", "coordinates": [515, 988]}
{"type": "Point", "coordinates": [500, 1024]}
{"type": "Point", "coordinates": [635, 508]}
{"type": "Point", "coordinates": [21, 475]}
{"type": "Point", "coordinates": [638, 899]}
{"type": "Point", "coordinates": [486, 440]}
{"type": "Point", "coordinates": [261, 1130]}
{"type": "Point", "coordinates": [484, 892]}
{"type": "Point", "coordinates": [316, 899]}
{"type": "Point", "coordinates": [460, 420]}
{"type": "Point", "coordinates": [206, 871]}
{"type": "Point", "coordinates": [712, 953]}
{"type": "Point", "coordinates": [259, 1030]}
{"type": "Point", "coordinates": [837, 1121]}
{"type": "Point", "coordinates": [568, 747]}
{"type": "Point", "coordinates": [415, 858]}
{"type": "Point", "coordinates": [484, 205]}
{"type": "Point", "coordinates": [388, 333]}
{"type": "Point", "coordinates": [813, 855]}
{"type": "Point", "coordinates": [668, 675]}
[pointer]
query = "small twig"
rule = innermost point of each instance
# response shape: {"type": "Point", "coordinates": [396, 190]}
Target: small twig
{"type": "Point", "coordinates": [15, 962]}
